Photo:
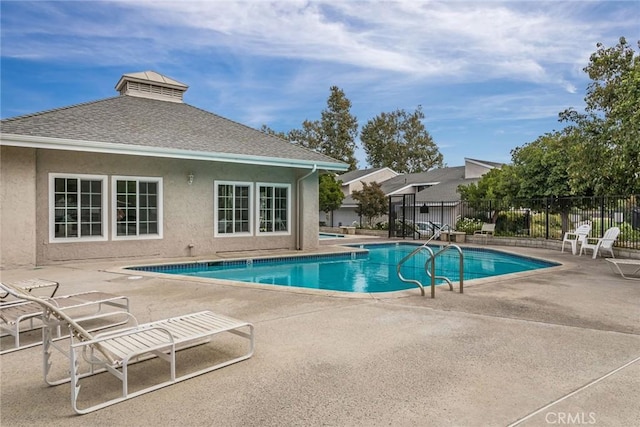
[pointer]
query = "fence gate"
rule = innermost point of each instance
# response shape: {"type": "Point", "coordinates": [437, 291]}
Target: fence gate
{"type": "Point", "coordinates": [402, 216]}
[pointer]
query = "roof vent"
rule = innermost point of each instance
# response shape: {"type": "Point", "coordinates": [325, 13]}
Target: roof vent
{"type": "Point", "coordinates": [149, 84]}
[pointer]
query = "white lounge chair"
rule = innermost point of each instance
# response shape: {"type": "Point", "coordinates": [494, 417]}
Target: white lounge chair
{"type": "Point", "coordinates": [604, 243]}
{"type": "Point", "coordinates": [577, 237]}
{"type": "Point", "coordinates": [34, 284]}
{"type": "Point", "coordinates": [20, 316]}
{"type": "Point", "coordinates": [632, 266]}
{"type": "Point", "coordinates": [115, 351]}
{"type": "Point", "coordinates": [486, 231]}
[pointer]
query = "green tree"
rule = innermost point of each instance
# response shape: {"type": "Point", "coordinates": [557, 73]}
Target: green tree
{"type": "Point", "coordinates": [400, 141]}
{"type": "Point", "coordinates": [606, 159]}
{"type": "Point", "coordinates": [331, 194]}
{"type": "Point", "coordinates": [334, 134]}
{"type": "Point", "coordinates": [500, 186]}
{"type": "Point", "coordinates": [372, 202]}
{"type": "Point", "coordinates": [543, 169]}
{"type": "Point", "coordinates": [542, 166]}
{"type": "Point", "coordinates": [266, 129]}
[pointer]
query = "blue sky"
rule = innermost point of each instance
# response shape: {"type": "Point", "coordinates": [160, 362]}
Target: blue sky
{"type": "Point", "coordinates": [490, 76]}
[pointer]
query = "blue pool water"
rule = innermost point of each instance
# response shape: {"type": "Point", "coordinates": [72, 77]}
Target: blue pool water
{"type": "Point", "coordinates": [371, 271]}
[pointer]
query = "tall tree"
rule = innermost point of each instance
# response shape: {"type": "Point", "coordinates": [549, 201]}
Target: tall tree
{"type": "Point", "coordinates": [598, 153]}
{"type": "Point", "coordinates": [542, 166]}
{"type": "Point", "coordinates": [372, 202]}
{"type": "Point", "coordinates": [400, 141]}
{"type": "Point", "coordinates": [543, 169]}
{"type": "Point", "coordinates": [335, 133]}
{"type": "Point", "coordinates": [608, 132]}
{"type": "Point", "coordinates": [500, 186]}
{"type": "Point", "coordinates": [330, 192]}
{"type": "Point", "coordinates": [266, 129]}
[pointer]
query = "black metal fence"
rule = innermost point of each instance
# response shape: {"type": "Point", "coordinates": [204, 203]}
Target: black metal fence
{"type": "Point", "coordinates": [547, 218]}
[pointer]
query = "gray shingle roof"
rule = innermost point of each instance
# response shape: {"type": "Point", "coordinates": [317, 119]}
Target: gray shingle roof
{"type": "Point", "coordinates": [356, 174]}
{"type": "Point", "coordinates": [447, 188]}
{"type": "Point", "coordinates": [159, 124]}
{"type": "Point", "coordinates": [447, 180]}
{"type": "Point", "coordinates": [435, 175]}
{"type": "Point", "coordinates": [486, 163]}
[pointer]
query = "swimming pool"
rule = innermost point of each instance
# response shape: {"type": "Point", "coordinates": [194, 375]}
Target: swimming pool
{"type": "Point", "coordinates": [370, 270]}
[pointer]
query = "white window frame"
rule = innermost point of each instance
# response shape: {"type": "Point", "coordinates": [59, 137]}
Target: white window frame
{"type": "Point", "coordinates": [114, 207]}
{"type": "Point", "coordinates": [249, 185]}
{"type": "Point", "coordinates": [52, 208]}
{"type": "Point", "coordinates": [272, 185]}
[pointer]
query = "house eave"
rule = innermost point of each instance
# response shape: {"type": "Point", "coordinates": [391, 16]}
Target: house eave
{"type": "Point", "coordinates": [145, 151]}
{"type": "Point", "coordinates": [412, 185]}
{"type": "Point", "coordinates": [360, 178]}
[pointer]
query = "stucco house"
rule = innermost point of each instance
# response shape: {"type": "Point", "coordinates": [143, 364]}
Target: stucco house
{"type": "Point", "coordinates": [432, 195]}
{"type": "Point", "coordinates": [143, 174]}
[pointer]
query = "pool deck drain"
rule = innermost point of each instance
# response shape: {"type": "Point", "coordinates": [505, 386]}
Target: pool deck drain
{"type": "Point", "coordinates": [533, 350]}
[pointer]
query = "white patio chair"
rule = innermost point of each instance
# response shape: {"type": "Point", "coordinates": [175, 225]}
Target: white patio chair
{"type": "Point", "coordinates": [577, 237]}
{"type": "Point", "coordinates": [604, 243]}
{"type": "Point", "coordinates": [487, 230]}
{"type": "Point", "coordinates": [115, 351]}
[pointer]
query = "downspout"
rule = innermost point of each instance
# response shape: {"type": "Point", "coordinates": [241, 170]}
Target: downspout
{"type": "Point", "coordinates": [298, 209]}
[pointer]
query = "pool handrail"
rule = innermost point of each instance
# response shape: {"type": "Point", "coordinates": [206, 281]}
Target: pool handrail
{"type": "Point", "coordinates": [437, 232]}
{"type": "Point", "coordinates": [432, 256]}
{"type": "Point", "coordinates": [417, 282]}
{"type": "Point", "coordinates": [461, 275]}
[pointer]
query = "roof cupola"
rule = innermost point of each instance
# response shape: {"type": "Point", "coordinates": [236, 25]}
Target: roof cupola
{"type": "Point", "coordinates": [149, 84]}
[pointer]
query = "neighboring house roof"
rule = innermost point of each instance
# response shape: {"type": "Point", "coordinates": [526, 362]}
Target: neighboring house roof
{"type": "Point", "coordinates": [442, 185]}
{"type": "Point", "coordinates": [151, 126]}
{"type": "Point", "coordinates": [357, 175]}
{"type": "Point", "coordinates": [445, 191]}
{"type": "Point", "coordinates": [484, 163]}
{"type": "Point", "coordinates": [432, 177]}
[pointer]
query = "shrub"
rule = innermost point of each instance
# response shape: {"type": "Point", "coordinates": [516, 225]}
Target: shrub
{"type": "Point", "coordinates": [538, 225]}
{"type": "Point", "coordinates": [382, 225]}
{"type": "Point", "coordinates": [468, 225]}
{"type": "Point", "coordinates": [628, 234]}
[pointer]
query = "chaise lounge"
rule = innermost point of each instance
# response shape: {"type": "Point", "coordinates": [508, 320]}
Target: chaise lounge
{"type": "Point", "coordinates": [632, 267]}
{"type": "Point", "coordinates": [115, 351]}
{"type": "Point", "coordinates": [19, 315]}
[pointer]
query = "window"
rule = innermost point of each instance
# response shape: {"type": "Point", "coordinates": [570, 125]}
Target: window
{"type": "Point", "coordinates": [77, 207]}
{"type": "Point", "coordinates": [233, 208]}
{"type": "Point", "coordinates": [137, 207]}
{"type": "Point", "coordinates": [273, 208]}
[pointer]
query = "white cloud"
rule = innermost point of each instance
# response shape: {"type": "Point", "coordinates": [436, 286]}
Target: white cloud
{"type": "Point", "coordinates": [261, 61]}
{"type": "Point", "coordinates": [570, 87]}
{"type": "Point", "coordinates": [452, 41]}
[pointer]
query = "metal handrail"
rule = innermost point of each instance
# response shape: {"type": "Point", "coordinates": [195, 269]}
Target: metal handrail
{"type": "Point", "coordinates": [436, 233]}
{"type": "Point", "coordinates": [431, 259]}
{"type": "Point", "coordinates": [417, 282]}
{"type": "Point", "coordinates": [447, 247]}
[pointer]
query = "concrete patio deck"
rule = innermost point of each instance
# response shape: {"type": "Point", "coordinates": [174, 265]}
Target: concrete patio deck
{"type": "Point", "coordinates": [558, 347]}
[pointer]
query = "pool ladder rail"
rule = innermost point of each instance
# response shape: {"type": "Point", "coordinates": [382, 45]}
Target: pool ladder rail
{"type": "Point", "coordinates": [430, 264]}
